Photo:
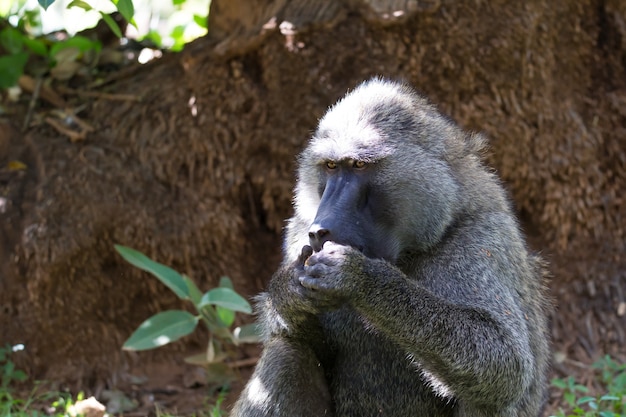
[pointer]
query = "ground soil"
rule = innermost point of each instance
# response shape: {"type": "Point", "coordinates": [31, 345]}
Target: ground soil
{"type": "Point", "coordinates": [190, 159]}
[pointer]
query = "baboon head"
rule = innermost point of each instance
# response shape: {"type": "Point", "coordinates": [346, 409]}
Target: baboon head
{"type": "Point", "coordinates": [376, 174]}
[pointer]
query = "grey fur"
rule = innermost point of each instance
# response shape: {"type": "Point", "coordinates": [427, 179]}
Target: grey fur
{"type": "Point", "coordinates": [450, 322]}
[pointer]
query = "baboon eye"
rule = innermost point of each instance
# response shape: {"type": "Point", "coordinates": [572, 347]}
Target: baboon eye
{"type": "Point", "coordinates": [359, 164]}
{"type": "Point", "coordinates": [331, 164]}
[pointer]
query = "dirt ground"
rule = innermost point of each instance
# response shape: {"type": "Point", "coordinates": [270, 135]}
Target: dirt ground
{"type": "Point", "coordinates": [190, 159]}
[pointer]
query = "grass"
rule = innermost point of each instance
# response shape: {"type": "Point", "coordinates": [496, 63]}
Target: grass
{"type": "Point", "coordinates": [38, 402]}
{"type": "Point", "coordinates": [611, 400]}
{"type": "Point", "coordinates": [607, 400]}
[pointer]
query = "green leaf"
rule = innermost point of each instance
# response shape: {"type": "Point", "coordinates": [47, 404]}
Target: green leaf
{"type": "Point", "coordinates": [11, 68]}
{"type": "Point", "coordinates": [37, 46]}
{"type": "Point", "coordinates": [178, 32]}
{"type": "Point", "coordinates": [248, 333]}
{"type": "Point", "coordinates": [161, 329]}
{"type": "Point", "coordinates": [210, 317]}
{"type": "Point", "coordinates": [126, 9]}
{"type": "Point", "coordinates": [178, 2]}
{"type": "Point", "coordinates": [172, 279]}
{"type": "Point", "coordinates": [30, 19]}
{"type": "Point", "coordinates": [584, 400]}
{"type": "Point", "coordinates": [178, 36]}
{"type": "Point", "coordinates": [226, 315]}
{"type": "Point", "coordinates": [79, 3]}
{"type": "Point", "coordinates": [226, 282]}
{"type": "Point", "coordinates": [227, 298]}
{"type": "Point", "coordinates": [45, 3]}
{"type": "Point", "coordinates": [580, 388]}
{"type": "Point", "coordinates": [201, 21]}
{"type": "Point", "coordinates": [81, 43]}
{"type": "Point", "coordinates": [195, 295]}
{"type": "Point", "coordinates": [609, 398]}
{"type": "Point", "coordinates": [112, 25]}
{"type": "Point", "coordinates": [12, 40]}
{"type": "Point", "coordinates": [155, 37]}
{"type": "Point", "coordinates": [19, 375]}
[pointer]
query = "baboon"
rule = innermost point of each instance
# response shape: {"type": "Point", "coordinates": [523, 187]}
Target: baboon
{"type": "Point", "coordinates": [406, 287]}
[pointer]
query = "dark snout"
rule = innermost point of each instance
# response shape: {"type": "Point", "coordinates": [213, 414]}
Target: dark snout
{"type": "Point", "coordinates": [338, 217]}
{"type": "Point", "coordinates": [318, 235]}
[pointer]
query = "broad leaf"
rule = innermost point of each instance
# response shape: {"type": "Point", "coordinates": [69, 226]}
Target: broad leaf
{"type": "Point", "coordinates": [201, 21]}
{"type": "Point", "coordinates": [226, 282]}
{"type": "Point", "coordinates": [79, 3]}
{"type": "Point", "coordinates": [192, 289]}
{"type": "Point", "coordinates": [609, 397]}
{"type": "Point", "coordinates": [161, 329]}
{"type": "Point", "coordinates": [112, 25]}
{"type": "Point", "coordinates": [45, 3]}
{"type": "Point", "coordinates": [172, 279]}
{"type": "Point", "coordinates": [248, 333]}
{"type": "Point", "coordinates": [80, 43]}
{"type": "Point", "coordinates": [11, 68]}
{"type": "Point", "coordinates": [227, 298]}
{"type": "Point", "coordinates": [36, 45]}
{"type": "Point", "coordinates": [226, 315]}
{"type": "Point", "coordinates": [12, 40]}
{"type": "Point", "coordinates": [126, 9]}
{"type": "Point", "coordinates": [210, 315]}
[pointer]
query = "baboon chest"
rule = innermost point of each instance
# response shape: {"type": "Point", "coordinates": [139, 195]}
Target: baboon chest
{"type": "Point", "coordinates": [369, 375]}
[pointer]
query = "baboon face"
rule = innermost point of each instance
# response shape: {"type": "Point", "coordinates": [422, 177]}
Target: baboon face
{"type": "Point", "coordinates": [350, 211]}
{"type": "Point", "coordinates": [369, 180]}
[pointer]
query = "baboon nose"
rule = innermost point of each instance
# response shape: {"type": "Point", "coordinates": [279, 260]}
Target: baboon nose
{"type": "Point", "coordinates": [317, 236]}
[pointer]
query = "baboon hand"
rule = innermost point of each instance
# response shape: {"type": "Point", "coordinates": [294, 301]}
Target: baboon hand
{"type": "Point", "coordinates": [288, 293]}
{"type": "Point", "coordinates": [306, 252]}
{"type": "Point", "coordinates": [328, 275]}
{"type": "Point", "coordinates": [300, 297]}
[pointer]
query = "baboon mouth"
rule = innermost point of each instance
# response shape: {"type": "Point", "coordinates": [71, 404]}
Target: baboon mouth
{"type": "Point", "coordinates": [319, 247]}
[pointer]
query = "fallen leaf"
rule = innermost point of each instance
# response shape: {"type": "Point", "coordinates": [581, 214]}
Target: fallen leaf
{"type": "Point", "coordinates": [16, 166]}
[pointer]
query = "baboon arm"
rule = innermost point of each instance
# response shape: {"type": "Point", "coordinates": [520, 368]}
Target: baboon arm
{"type": "Point", "coordinates": [476, 345]}
{"type": "Point", "coordinates": [284, 309]}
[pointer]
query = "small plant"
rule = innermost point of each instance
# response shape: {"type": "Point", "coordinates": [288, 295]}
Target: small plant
{"type": "Point", "coordinates": [9, 375]}
{"type": "Point", "coordinates": [215, 308]}
{"type": "Point", "coordinates": [64, 404]}
{"type": "Point", "coordinates": [12, 405]}
{"type": "Point", "coordinates": [124, 7]}
{"type": "Point", "coordinates": [612, 404]}
{"type": "Point", "coordinates": [58, 56]}
{"type": "Point", "coordinates": [216, 409]}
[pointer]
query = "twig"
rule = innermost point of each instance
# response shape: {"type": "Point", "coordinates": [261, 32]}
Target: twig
{"type": "Point", "coordinates": [71, 117]}
{"type": "Point", "coordinates": [29, 84]}
{"type": "Point", "coordinates": [96, 94]}
{"type": "Point", "coordinates": [73, 135]}
{"type": "Point", "coordinates": [118, 75]}
{"type": "Point", "coordinates": [31, 105]}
